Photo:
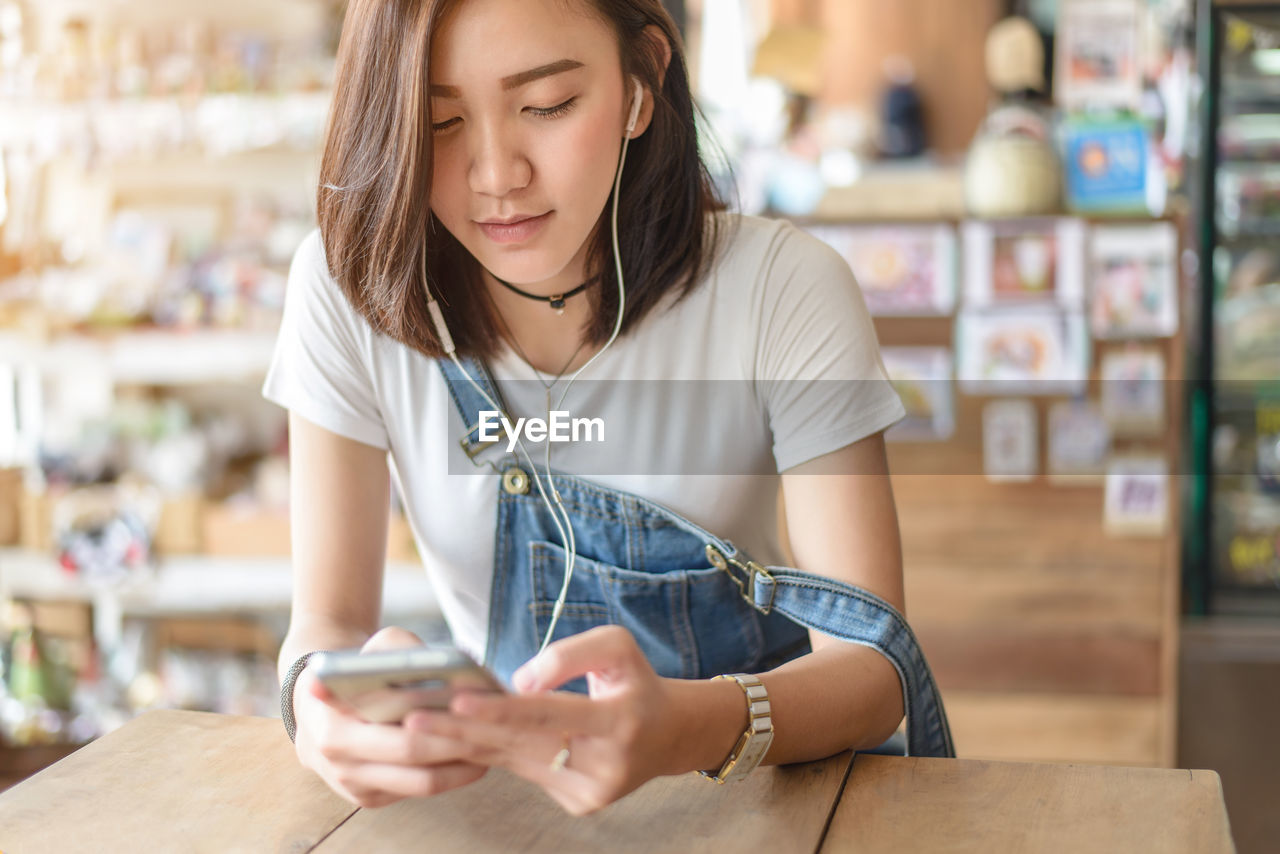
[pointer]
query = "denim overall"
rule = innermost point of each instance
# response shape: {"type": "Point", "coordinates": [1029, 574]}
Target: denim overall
{"type": "Point", "coordinates": [696, 605]}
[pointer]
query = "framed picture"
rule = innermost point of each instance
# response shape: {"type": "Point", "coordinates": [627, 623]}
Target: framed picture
{"type": "Point", "coordinates": [1079, 442]}
{"type": "Point", "coordinates": [902, 270]}
{"type": "Point", "coordinates": [1009, 446]}
{"type": "Point", "coordinates": [1105, 164]}
{"type": "Point", "coordinates": [1134, 281]}
{"type": "Point", "coordinates": [922, 378]}
{"type": "Point", "coordinates": [1136, 497]}
{"type": "Point", "coordinates": [1015, 262]}
{"type": "Point", "coordinates": [1132, 382]}
{"type": "Point", "coordinates": [1097, 61]}
{"type": "Point", "coordinates": [1037, 350]}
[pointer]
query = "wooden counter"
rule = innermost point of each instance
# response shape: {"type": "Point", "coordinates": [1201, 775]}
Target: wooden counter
{"type": "Point", "coordinates": [192, 781]}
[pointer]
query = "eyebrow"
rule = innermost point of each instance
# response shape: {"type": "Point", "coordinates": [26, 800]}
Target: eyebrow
{"type": "Point", "coordinates": [514, 81]}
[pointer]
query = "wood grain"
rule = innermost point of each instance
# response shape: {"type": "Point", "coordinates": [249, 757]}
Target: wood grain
{"type": "Point", "coordinates": [779, 809]}
{"type": "Point", "coordinates": [174, 781]}
{"type": "Point", "coordinates": [1055, 727]}
{"type": "Point", "coordinates": [1089, 598]}
{"type": "Point", "coordinates": [981, 658]}
{"type": "Point", "coordinates": [893, 803]}
{"type": "Point", "coordinates": [1017, 596]}
{"type": "Point", "coordinates": [189, 781]}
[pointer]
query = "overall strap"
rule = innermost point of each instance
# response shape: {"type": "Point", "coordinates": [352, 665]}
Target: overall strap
{"type": "Point", "coordinates": [469, 402]}
{"type": "Point", "coordinates": [857, 616]}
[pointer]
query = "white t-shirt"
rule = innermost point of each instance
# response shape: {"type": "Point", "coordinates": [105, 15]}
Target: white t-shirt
{"type": "Point", "coordinates": [779, 309]}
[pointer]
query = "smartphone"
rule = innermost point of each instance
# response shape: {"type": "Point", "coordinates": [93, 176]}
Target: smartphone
{"type": "Point", "coordinates": [383, 686]}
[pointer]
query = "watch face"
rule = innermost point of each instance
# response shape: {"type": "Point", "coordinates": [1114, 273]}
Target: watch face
{"type": "Point", "coordinates": [752, 755]}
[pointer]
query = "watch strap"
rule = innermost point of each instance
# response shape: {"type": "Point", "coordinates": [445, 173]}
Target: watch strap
{"type": "Point", "coordinates": [755, 741]}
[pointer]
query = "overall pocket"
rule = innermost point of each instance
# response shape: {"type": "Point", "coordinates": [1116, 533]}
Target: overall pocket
{"type": "Point", "coordinates": [690, 623]}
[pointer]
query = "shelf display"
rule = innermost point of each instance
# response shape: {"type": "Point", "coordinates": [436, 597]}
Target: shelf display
{"type": "Point", "coordinates": [1026, 350]}
{"type": "Point", "coordinates": [157, 171]}
{"type": "Point", "coordinates": [1133, 281]}
{"type": "Point", "coordinates": [1079, 442]}
{"type": "Point", "coordinates": [1232, 565]}
{"type": "Point", "coordinates": [1010, 449]}
{"type": "Point", "coordinates": [902, 270]}
{"type": "Point", "coordinates": [1132, 391]}
{"type": "Point", "coordinates": [1136, 501]}
{"type": "Point", "coordinates": [1247, 334]}
{"type": "Point", "coordinates": [922, 378]}
{"type": "Point", "coordinates": [1011, 262]}
{"type": "Point", "coordinates": [1249, 199]}
{"type": "Point", "coordinates": [1106, 164]}
{"type": "Point", "coordinates": [1097, 54]}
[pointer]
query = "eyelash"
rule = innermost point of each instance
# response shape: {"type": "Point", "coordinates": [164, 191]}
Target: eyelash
{"type": "Point", "coordinates": [547, 113]}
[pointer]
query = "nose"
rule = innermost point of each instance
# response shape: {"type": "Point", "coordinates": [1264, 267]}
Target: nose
{"type": "Point", "coordinates": [499, 164]}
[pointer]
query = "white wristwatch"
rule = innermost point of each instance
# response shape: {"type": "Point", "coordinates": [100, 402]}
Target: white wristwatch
{"type": "Point", "coordinates": [754, 743]}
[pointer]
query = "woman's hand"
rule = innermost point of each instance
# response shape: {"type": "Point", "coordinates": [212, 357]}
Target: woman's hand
{"type": "Point", "coordinates": [619, 737]}
{"type": "Point", "coordinates": [372, 765]}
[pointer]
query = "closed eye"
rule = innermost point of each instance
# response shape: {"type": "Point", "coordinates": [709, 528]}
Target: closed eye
{"type": "Point", "coordinates": [543, 112]}
{"type": "Point", "coordinates": [556, 111]}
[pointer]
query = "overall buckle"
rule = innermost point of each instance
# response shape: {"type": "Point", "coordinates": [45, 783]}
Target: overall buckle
{"type": "Point", "coordinates": [744, 577]}
{"type": "Point", "coordinates": [475, 449]}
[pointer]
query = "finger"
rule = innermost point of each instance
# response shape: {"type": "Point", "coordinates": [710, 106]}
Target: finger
{"type": "Point", "coordinates": [391, 744]}
{"type": "Point", "coordinates": [527, 753]}
{"type": "Point", "coordinates": [558, 713]}
{"type": "Point", "coordinates": [391, 637]}
{"type": "Point", "coordinates": [496, 744]}
{"type": "Point", "coordinates": [352, 740]}
{"type": "Point", "coordinates": [609, 652]}
{"type": "Point", "coordinates": [405, 781]}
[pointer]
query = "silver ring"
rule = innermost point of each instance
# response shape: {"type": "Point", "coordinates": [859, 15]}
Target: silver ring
{"type": "Point", "coordinates": [562, 758]}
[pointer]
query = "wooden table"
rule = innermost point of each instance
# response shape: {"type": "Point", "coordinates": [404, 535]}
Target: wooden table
{"type": "Point", "coordinates": [191, 781]}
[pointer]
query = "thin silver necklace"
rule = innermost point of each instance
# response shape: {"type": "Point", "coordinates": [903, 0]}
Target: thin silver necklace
{"type": "Point", "coordinates": [545, 385]}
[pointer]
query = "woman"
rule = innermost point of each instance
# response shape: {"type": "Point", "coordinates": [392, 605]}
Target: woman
{"type": "Point", "coordinates": [567, 216]}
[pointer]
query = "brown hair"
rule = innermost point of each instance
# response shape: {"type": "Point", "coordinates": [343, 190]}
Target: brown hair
{"type": "Point", "coordinates": [376, 172]}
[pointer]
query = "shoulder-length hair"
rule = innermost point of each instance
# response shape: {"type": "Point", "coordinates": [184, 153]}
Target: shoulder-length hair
{"type": "Point", "coordinates": [375, 178]}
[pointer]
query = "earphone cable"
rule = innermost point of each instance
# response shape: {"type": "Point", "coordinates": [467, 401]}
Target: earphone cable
{"type": "Point", "coordinates": [617, 325]}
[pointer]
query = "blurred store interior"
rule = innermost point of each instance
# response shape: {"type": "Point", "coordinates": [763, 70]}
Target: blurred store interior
{"type": "Point", "coordinates": [1064, 215]}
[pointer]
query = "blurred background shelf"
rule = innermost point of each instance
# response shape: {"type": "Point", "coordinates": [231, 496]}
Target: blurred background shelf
{"type": "Point", "coordinates": [152, 357]}
{"type": "Point", "coordinates": [196, 584]}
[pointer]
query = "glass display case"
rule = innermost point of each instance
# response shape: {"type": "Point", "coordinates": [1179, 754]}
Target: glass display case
{"type": "Point", "coordinates": [1233, 564]}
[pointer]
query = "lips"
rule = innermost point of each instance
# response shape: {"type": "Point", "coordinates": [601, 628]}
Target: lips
{"type": "Point", "coordinates": [514, 231]}
{"type": "Point", "coordinates": [511, 221]}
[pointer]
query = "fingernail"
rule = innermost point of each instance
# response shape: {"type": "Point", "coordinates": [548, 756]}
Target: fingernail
{"type": "Point", "coordinates": [526, 676]}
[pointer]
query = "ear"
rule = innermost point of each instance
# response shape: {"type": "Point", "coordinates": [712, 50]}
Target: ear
{"type": "Point", "coordinates": [654, 34]}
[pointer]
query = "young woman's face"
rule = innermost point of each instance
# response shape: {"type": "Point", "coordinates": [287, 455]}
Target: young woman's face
{"type": "Point", "coordinates": [528, 113]}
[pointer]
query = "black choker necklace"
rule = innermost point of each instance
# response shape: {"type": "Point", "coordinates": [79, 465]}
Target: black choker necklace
{"type": "Point", "coordinates": [557, 301]}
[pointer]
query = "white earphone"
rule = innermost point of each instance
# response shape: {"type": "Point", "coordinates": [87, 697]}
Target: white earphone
{"type": "Point", "coordinates": [559, 515]}
{"type": "Point", "coordinates": [636, 103]}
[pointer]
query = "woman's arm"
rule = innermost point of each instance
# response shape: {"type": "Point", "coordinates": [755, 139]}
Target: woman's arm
{"type": "Point", "coordinates": [841, 523]}
{"type": "Point", "coordinates": [340, 491]}
{"type": "Point", "coordinates": [339, 496]}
